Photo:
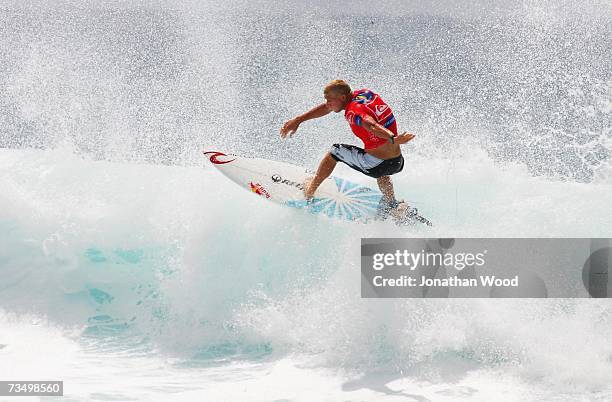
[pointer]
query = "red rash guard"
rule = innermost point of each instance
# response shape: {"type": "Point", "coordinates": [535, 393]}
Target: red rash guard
{"type": "Point", "coordinates": [365, 102]}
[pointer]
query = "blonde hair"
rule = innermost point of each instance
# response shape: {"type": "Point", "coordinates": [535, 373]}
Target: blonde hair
{"type": "Point", "coordinates": [339, 87]}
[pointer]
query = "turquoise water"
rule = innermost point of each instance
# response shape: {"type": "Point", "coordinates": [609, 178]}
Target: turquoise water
{"type": "Point", "coordinates": [185, 283]}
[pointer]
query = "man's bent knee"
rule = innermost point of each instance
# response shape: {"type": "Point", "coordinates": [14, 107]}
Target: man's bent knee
{"type": "Point", "coordinates": [329, 158]}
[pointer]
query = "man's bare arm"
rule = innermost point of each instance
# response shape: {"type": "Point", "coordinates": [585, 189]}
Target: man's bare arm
{"type": "Point", "coordinates": [372, 126]}
{"type": "Point", "coordinates": [292, 125]}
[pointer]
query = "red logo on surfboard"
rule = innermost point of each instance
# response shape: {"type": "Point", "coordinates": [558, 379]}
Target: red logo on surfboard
{"type": "Point", "coordinates": [259, 189]}
{"type": "Point", "coordinates": [213, 157]}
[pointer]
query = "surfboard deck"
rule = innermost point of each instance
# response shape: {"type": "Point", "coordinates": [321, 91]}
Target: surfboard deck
{"type": "Point", "coordinates": [283, 183]}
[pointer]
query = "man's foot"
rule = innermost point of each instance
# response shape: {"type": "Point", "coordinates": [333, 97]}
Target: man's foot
{"type": "Point", "coordinates": [308, 191]}
{"type": "Point", "coordinates": [400, 211]}
{"type": "Point", "coordinates": [403, 211]}
{"type": "Point", "coordinates": [385, 207]}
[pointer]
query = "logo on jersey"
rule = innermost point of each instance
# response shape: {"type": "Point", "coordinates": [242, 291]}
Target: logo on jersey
{"type": "Point", "coordinates": [380, 109]}
{"type": "Point", "coordinates": [364, 97]}
{"type": "Point", "coordinates": [350, 117]}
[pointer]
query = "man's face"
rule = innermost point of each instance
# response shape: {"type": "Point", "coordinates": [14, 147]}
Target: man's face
{"type": "Point", "coordinates": [335, 102]}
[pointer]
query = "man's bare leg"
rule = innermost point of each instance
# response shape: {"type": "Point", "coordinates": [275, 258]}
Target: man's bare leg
{"type": "Point", "coordinates": [386, 187]}
{"type": "Point", "coordinates": [326, 167]}
{"type": "Point", "coordinates": [397, 210]}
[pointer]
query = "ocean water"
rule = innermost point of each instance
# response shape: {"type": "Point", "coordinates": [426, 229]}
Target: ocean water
{"type": "Point", "coordinates": [132, 270]}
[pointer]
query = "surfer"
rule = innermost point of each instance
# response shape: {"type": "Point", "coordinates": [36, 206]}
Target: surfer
{"type": "Point", "coordinates": [370, 119]}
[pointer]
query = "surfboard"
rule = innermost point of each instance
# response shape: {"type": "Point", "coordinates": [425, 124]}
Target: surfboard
{"type": "Point", "coordinates": [283, 183]}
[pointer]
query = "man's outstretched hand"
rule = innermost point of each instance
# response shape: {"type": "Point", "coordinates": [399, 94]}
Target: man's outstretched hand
{"type": "Point", "coordinates": [403, 137]}
{"type": "Point", "coordinates": [289, 128]}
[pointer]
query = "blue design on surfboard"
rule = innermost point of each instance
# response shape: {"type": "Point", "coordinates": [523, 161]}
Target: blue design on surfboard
{"type": "Point", "coordinates": [355, 202]}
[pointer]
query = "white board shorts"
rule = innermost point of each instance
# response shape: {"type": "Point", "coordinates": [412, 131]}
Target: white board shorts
{"type": "Point", "coordinates": [365, 163]}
